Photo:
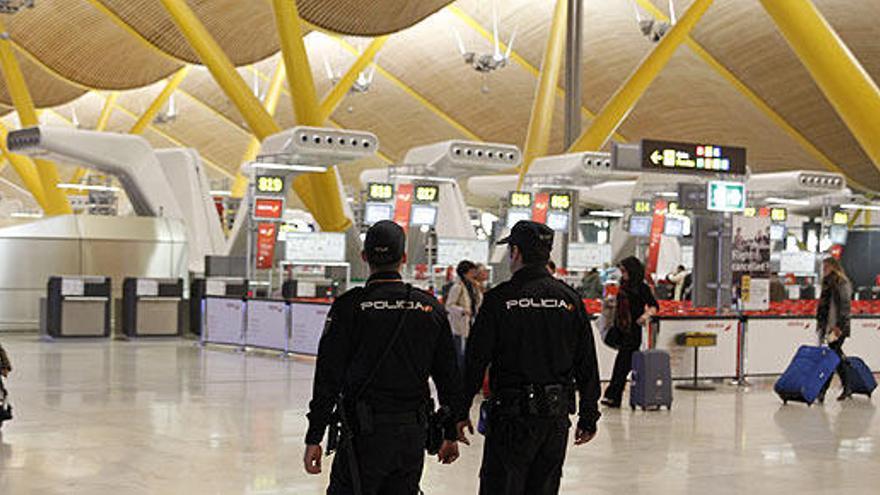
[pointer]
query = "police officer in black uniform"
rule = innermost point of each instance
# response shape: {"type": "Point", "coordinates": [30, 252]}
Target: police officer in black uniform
{"type": "Point", "coordinates": [534, 334]}
{"type": "Point", "coordinates": [380, 345]}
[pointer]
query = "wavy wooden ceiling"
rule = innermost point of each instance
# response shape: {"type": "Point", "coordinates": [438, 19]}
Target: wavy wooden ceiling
{"type": "Point", "coordinates": [423, 91]}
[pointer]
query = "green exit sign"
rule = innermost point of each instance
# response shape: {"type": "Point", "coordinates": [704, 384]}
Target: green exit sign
{"type": "Point", "coordinates": [726, 196]}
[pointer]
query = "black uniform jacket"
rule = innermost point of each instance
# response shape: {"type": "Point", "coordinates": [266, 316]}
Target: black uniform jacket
{"type": "Point", "coordinates": [534, 330]}
{"type": "Point", "coordinates": [359, 326]}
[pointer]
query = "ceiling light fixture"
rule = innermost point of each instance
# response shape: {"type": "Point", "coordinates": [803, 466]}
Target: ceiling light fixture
{"type": "Point", "coordinates": [606, 214]}
{"type": "Point", "coordinates": [786, 201]}
{"type": "Point", "coordinates": [88, 187]}
{"type": "Point", "coordinates": [852, 206]}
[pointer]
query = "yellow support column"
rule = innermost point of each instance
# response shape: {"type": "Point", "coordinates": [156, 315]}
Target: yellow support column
{"type": "Point", "coordinates": [622, 102]}
{"type": "Point", "coordinates": [150, 113]}
{"type": "Point", "coordinates": [55, 200]}
{"type": "Point", "coordinates": [541, 120]}
{"type": "Point", "coordinates": [335, 96]}
{"type": "Point", "coordinates": [329, 210]}
{"type": "Point", "coordinates": [213, 57]}
{"type": "Point", "coordinates": [25, 169]}
{"type": "Point", "coordinates": [273, 95]}
{"type": "Point", "coordinates": [840, 76]}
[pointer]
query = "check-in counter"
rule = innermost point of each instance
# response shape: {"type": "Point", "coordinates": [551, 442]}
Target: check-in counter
{"type": "Point", "coordinates": [268, 324]}
{"type": "Point", "coordinates": [200, 288]}
{"type": "Point", "coordinates": [864, 340]}
{"type": "Point", "coordinates": [720, 361]}
{"type": "Point", "coordinates": [152, 307]}
{"type": "Point", "coordinates": [224, 320]}
{"type": "Point", "coordinates": [76, 306]}
{"type": "Point", "coordinates": [307, 320]}
{"type": "Point", "coordinates": [772, 341]}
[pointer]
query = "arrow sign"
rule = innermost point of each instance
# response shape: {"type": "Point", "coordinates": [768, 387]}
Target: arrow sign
{"type": "Point", "coordinates": [656, 157]}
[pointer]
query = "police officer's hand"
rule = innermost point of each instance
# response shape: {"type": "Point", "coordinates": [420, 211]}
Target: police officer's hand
{"type": "Point", "coordinates": [312, 459]}
{"type": "Point", "coordinates": [448, 452]}
{"type": "Point", "coordinates": [582, 436]}
{"type": "Point", "coordinates": [462, 426]}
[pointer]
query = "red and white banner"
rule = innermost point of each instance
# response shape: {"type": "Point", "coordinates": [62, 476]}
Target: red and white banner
{"type": "Point", "coordinates": [656, 235]}
{"type": "Point", "coordinates": [267, 233]}
{"type": "Point", "coordinates": [403, 205]}
{"type": "Point", "coordinates": [269, 208]}
{"type": "Point", "coordinates": [539, 210]}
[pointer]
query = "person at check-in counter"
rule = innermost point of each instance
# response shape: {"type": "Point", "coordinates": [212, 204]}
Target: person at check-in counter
{"type": "Point", "coordinates": [833, 317]}
{"type": "Point", "coordinates": [635, 307]}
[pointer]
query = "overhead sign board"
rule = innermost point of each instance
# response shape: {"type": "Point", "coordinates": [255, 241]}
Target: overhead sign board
{"type": "Point", "coordinates": [560, 201]}
{"type": "Point", "coordinates": [427, 194]}
{"type": "Point", "coordinates": [726, 196]}
{"type": "Point", "coordinates": [642, 207]}
{"type": "Point", "coordinates": [270, 184]}
{"type": "Point", "coordinates": [669, 156]}
{"type": "Point", "coordinates": [377, 191]}
{"type": "Point", "coordinates": [518, 199]}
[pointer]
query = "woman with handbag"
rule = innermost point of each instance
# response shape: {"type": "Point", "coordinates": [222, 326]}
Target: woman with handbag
{"type": "Point", "coordinates": [465, 298]}
{"type": "Point", "coordinates": [634, 307]}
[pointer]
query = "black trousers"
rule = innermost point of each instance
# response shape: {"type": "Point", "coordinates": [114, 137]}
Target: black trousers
{"type": "Point", "coordinates": [524, 456]}
{"type": "Point", "coordinates": [390, 461]}
{"type": "Point", "coordinates": [837, 346]}
{"type": "Point", "coordinates": [622, 367]}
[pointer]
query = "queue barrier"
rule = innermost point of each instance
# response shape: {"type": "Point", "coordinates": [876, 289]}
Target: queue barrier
{"type": "Point", "coordinates": [287, 326]}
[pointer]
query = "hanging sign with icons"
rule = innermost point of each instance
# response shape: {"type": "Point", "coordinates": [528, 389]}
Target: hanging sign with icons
{"type": "Point", "coordinates": [669, 156]}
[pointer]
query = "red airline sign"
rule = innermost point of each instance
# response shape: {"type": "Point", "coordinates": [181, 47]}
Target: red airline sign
{"type": "Point", "coordinates": [269, 208]}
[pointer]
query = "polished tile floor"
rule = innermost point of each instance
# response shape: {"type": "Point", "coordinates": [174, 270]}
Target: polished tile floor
{"type": "Point", "coordinates": [166, 417]}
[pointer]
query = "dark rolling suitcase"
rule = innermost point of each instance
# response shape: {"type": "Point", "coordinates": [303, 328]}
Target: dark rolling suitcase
{"type": "Point", "coordinates": [651, 380]}
{"type": "Point", "coordinates": [807, 373]}
{"type": "Point", "coordinates": [859, 378]}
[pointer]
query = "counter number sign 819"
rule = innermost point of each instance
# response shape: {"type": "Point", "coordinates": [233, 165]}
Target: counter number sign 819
{"type": "Point", "coordinates": [272, 184]}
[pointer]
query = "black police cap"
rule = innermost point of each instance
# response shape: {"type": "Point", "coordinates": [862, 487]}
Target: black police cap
{"type": "Point", "coordinates": [534, 239]}
{"type": "Point", "coordinates": [385, 243]}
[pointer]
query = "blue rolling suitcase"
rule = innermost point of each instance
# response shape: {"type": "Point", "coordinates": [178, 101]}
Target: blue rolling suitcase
{"type": "Point", "coordinates": [807, 373]}
{"type": "Point", "coordinates": [859, 378]}
{"type": "Point", "coordinates": [651, 385]}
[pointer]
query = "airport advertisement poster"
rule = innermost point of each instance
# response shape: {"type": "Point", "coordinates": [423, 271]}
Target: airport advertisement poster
{"type": "Point", "coordinates": [750, 261]}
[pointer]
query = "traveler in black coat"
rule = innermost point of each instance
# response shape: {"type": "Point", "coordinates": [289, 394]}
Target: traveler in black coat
{"type": "Point", "coordinates": [635, 306]}
{"type": "Point", "coordinates": [832, 317]}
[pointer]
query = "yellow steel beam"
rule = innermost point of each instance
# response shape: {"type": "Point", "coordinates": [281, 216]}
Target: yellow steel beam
{"type": "Point", "coordinates": [273, 95]}
{"type": "Point", "coordinates": [55, 200]}
{"type": "Point", "coordinates": [622, 102]}
{"type": "Point", "coordinates": [25, 169]}
{"type": "Point", "coordinates": [541, 119]}
{"type": "Point", "coordinates": [335, 96]}
{"type": "Point", "coordinates": [329, 210]}
{"type": "Point", "coordinates": [150, 113]}
{"type": "Point", "coordinates": [218, 63]}
{"type": "Point", "coordinates": [516, 57]}
{"type": "Point", "coordinates": [756, 100]}
{"type": "Point", "coordinates": [837, 72]}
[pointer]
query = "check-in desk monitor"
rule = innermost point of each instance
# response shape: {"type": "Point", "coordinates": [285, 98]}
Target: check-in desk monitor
{"type": "Point", "coordinates": [423, 216]}
{"type": "Point", "coordinates": [376, 212]}
{"type": "Point", "coordinates": [640, 226]}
